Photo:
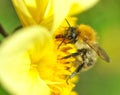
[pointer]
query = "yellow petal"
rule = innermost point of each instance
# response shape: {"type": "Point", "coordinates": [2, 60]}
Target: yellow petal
{"type": "Point", "coordinates": [16, 57]}
{"type": "Point", "coordinates": [37, 8]}
{"type": "Point", "coordinates": [23, 13]}
{"type": "Point", "coordinates": [81, 5]}
{"type": "Point", "coordinates": [64, 8]}
{"type": "Point", "coordinates": [30, 11]}
{"type": "Point", "coordinates": [49, 16]}
{"type": "Point", "coordinates": [61, 9]}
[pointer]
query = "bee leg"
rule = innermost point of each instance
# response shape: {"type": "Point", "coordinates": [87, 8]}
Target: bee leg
{"type": "Point", "coordinates": [71, 76]}
{"type": "Point", "coordinates": [64, 38]}
{"type": "Point", "coordinates": [61, 43]}
{"type": "Point", "coordinates": [71, 55]}
{"type": "Point", "coordinates": [79, 52]}
{"type": "Point", "coordinates": [75, 72]}
{"type": "Point", "coordinates": [79, 68]}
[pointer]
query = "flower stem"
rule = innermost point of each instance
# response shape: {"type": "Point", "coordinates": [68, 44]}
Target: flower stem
{"type": "Point", "coordinates": [3, 32]}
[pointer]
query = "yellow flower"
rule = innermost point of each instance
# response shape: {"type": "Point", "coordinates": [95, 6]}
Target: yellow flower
{"type": "Point", "coordinates": [19, 57]}
{"type": "Point", "coordinates": [30, 63]}
{"type": "Point", "coordinates": [45, 12]}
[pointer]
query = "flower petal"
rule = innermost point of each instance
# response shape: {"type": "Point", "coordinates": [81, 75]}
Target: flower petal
{"type": "Point", "coordinates": [37, 8]}
{"type": "Point", "coordinates": [16, 57]}
{"type": "Point", "coordinates": [61, 9]}
{"type": "Point", "coordinates": [30, 11]}
{"type": "Point", "coordinates": [23, 13]}
{"type": "Point", "coordinates": [64, 8]}
{"type": "Point", "coordinates": [81, 5]}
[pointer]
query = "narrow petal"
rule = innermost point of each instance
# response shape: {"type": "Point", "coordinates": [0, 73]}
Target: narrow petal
{"type": "Point", "coordinates": [61, 9]}
{"type": "Point", "coordinates": [30, 11]}
{"type": "Point", "coordinates": [48, 16]}
{"type": "Point", "coordinates": [16, 57]}
{"type": "Point", "coordinates": [23, 13]}
{"type": "Point", "coordinates": [64, 8]}
{"type": "Point", "coordinates": [37, 8]}
{"type": "Point", "coordinates": [81, 5]}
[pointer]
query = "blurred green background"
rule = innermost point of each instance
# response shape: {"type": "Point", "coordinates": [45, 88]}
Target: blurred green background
{"type": "Point", "coordinates": [103, 78]}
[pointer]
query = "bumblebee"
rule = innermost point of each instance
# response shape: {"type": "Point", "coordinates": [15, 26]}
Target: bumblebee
{"type": "Point", "coordinates": [84, 39]}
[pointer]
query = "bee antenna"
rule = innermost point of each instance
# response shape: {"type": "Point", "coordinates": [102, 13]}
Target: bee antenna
{"type": "Point", "coordinates": [67, 22]}
{"type": "Point", "coordinates": [66, 35]}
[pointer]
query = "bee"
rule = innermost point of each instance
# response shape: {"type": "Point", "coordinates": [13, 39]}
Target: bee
{"type": "Point", "coordinates": [84, 38]}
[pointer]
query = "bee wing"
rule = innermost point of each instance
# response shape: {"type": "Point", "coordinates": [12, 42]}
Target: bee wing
{"type": "Point", "coordinates": [101, 52]}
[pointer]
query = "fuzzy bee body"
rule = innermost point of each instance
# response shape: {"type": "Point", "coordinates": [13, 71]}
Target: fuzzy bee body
{"type": "Point", "coordinates": [84, 39]}
{"type": "Point", "coordinates": [85, 58]}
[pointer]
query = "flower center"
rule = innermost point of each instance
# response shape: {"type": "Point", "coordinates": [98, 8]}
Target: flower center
{"type": "Point", "coordinates": [63, 50]}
